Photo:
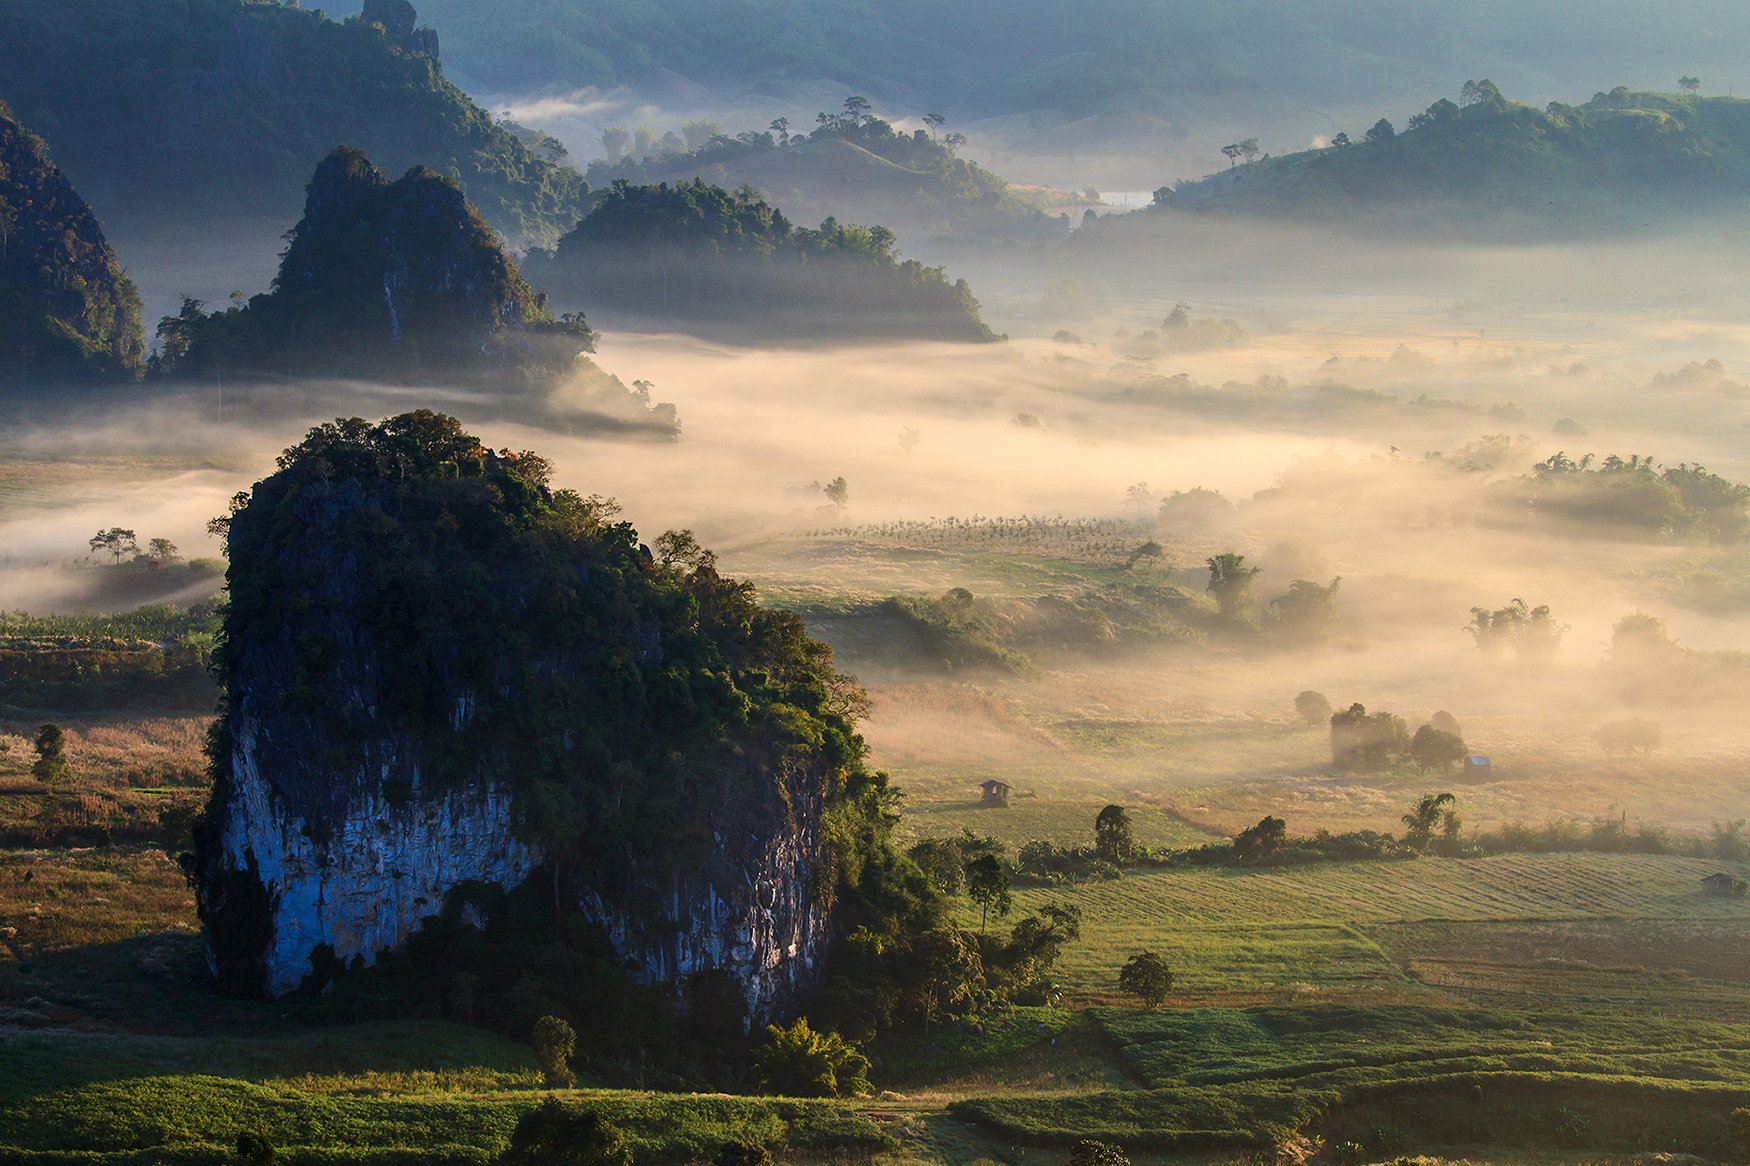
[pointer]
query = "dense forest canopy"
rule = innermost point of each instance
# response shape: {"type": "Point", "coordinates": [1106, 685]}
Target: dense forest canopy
{"type": "Point", "coordinates": [1585, 165]}
{"type": "Point", "coordinates": [66, 308]}
{"type": "Point", "coordinates": [702, 252]}
{"type": "Point", "coordinates": [188, 109]}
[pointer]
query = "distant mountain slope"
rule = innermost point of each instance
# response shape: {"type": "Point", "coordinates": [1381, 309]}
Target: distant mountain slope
{"type": "Point", "coordinates": [66, 309]}
{"type": "Point", "coordinates": [401, 281]}
{"type": "Point", "coordinates": [1572, 168]}
{"type": "Point", "coordinates": [857, 166]}
{"type": "Point", "coordinates": [1108, 77]}
{"type": "Point", "coordinates": [700, 253]}
{"type": "Point", "coordinates": [195, 109]}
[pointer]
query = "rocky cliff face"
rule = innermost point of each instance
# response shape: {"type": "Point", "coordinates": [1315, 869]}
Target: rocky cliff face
{"type": "Point", "coordinates": [394, 280]}
{"type": "Point", "coordinates": [64, 302]}
{"type": "Point", "coordinates": [441, 677]}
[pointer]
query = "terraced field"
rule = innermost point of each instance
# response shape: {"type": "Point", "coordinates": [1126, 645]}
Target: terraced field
{"type": "Point", "coordinates": [1027, 819]}
{"type": "Point", "coordinates": [1256, 929]}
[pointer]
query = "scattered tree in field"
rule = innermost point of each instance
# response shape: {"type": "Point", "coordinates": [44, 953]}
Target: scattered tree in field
{"type": "Point", "coordinates": [1230, 581]}
{"type": "Point", "coordinates": [553, 1041]}
{"type": "Point", "coordinates": [1091, 1153]}
{"type": "Point", "coordinates": [1262, 844]}
{"type": "Point", "coordinates": [1113, 841]}
{"type": "Point", "coordinates": [944, 860]}
{"type": "Point", "coordinates": [1313, 707]}
{"type": "Point", "coordinates": [1532, 633]}
{"type": "Point", "coordinates": [115, 542]}
{"type": "Point", "coordinates": [1138, 495]}
{"type": "Point", "coordinates": [798, 1062]}
{"type": "Point", "coordinates": [987, 884]}
{"type": "Point", "coordinates": [555, 1136]}
{"type": "Point", "coordinates": [1146, 976]}
{"type": "Point", "coordinates": [1364, 741]}
{"type": "Point", "coordinates": [1423, 818]}
{"type": "Point", "coordinates": [838, 492]}
{"type": "Point", "coordinates": [162, 551]}
{"type": "Point", "coordinates": [1148, 550]}
{"type": "Point", "coordinates": [51, 756]}
{"type": "Point", "coordinates": [1305, 614]}
{"type": "Point", "coordinates": [945, 966]}
{"type": "Point", "coordinates": [1433, 748]}
{"type": "Point", "coordinates": [1690, 85]}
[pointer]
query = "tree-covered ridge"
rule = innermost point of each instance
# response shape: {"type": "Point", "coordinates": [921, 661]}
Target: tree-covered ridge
{"type": "Point", "coordinates": [697, 251]}
{"type": "Point", "coordinates": [1042, 55]}
{"type": "Point", "coordinates": [188, 109]}
{"type": "Point", "coordinates": [389, 279]}
{"type": "Point", "coordinates": [66, 308]}
{"type": "Point", "coordinates": [852, 159]}
{"type": "Point", "coordinates": [1484, 154]}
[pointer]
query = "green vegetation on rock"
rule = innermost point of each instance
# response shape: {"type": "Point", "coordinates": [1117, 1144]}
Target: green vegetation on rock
{"type": "Point", "coordinates": [220, 109]}
{"type": "Point", "coordinates": [1492, 162]}
{"type": "Point", "coordinates": [701, 252]}
{"type": "Point", "coordinates": [395, 280]}
{"type": "Point", "coordinates": [66, 309]}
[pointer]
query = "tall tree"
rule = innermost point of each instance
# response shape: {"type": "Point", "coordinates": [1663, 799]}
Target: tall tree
{"type": "Point", "coordinates": [1230, 581]}
{"type": "Point", "coordinates": [1113, 841]}
{"type": "Point", "coordinates": [987, 884]}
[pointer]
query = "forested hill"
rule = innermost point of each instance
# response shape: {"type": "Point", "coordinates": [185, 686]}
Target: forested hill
{"type": "Point", "coordinates": [1120, 79]}
{"type": "Point", "coordinates": [700, 253]}
{"type": "Point", "coordinates": [1621, 159]}
{"type": "Point", "coordinates": [853, 164]}
{"type": "Point", "coordinates": [66, 309]}
{"type": "Point", "coordinates": [199, 109]}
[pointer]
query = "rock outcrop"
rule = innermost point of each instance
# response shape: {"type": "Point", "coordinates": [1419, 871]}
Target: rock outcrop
{"type": "Point", "coordinates": [391, 279]}
{"type": "Point", "coordinates": [446, 683]}
{"type": "Point", "coordinates": [66, 307]}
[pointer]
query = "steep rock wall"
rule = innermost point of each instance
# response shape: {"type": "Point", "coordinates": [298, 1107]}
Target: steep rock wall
{"type": "Point", "coordinates": [364, 879]}
{"type": "Point", "coordinates": [348, 804]}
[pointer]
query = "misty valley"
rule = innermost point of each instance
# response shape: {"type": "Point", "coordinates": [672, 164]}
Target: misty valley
{"type": "Point", "coordinates": [856, 583]}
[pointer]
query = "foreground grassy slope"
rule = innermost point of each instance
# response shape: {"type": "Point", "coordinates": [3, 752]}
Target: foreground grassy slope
{"type": "Point", "coordinates": [1252, 1076]}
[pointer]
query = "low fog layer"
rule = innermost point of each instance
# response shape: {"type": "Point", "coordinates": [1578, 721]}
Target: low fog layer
{"type": "Point", "coordinates": [1366, 412]}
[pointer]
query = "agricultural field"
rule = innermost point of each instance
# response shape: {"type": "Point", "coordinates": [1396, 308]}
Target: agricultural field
{"type": "Point", "coordinates": [1510, 1009]}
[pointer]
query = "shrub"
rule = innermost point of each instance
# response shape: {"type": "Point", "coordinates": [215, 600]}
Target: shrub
{"type": "Point", "coordinates": [1147, 976]}
{"type": "Point", "coordinates": [554, 1136]}
{"type": "Point", "coordinates": [1091, 1153]}
{"type": "Point", "coordinates": [798, 1062]}
{"type": "Point", "coordinates": [553, 1041]}
{"type": "Point", "coordinates": [1313, 707]}
{"type": "Point", "coordinates": [744, 1154]}
{"type": "Point", "coordinates": [254, 1149]}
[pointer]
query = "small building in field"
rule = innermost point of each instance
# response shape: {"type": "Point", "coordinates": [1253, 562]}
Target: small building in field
{"type": "Point", "coordinates": [1722, 883]}
{"type": "Point", "coordinates": [1476, 768]}
{"type": "Point", "coordinates": [995, 791]}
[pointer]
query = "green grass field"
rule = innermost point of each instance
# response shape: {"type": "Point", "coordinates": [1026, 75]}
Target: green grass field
{"type": "Point", "coordinates": [1303, 927]}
